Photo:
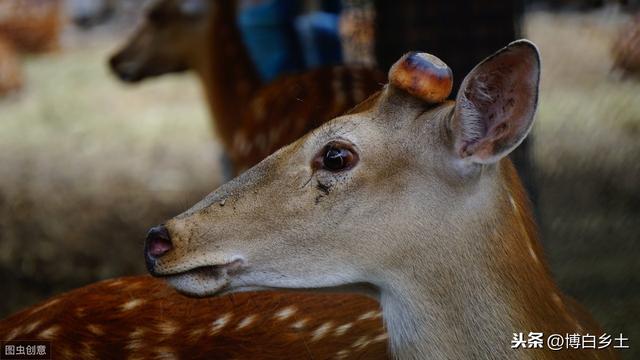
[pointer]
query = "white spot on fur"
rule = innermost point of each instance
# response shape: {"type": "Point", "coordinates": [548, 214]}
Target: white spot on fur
{"type": "Point", "coordinates": [246, 321]}
{"type": "Point", "coordinates": [116, 282]}
{"type": "Point", "coordinates": [45, 305]}
{"type": "Point", "coordinates": [533, 253]}
{"type": "Point", "coordinates": [369, 315]}
{"type": "Point", "coordinates": [133, 285]}
{"type": "Point", "coordinates": [95, 329]}
{"type": "Point", "coordinates": [556, 298]}
{"type": "Point", "coordinates": [342, 329]}
{"type": "Point", "coordinates": [195, 334]}
{"type": "Point", "coordinates": [321, 331]}
{"type": "Point", "coordinates": [131, 304]}
{"type": "Point", "coordinates": [136, 339]}
{"type": "Point", "coordinates": [165, 353]}
{"type": "Point", "coordinates": [285, 313]}
{"type": "Point", "coordinates": [29, 328]}
{"type": "Point", "coordinates": [135, 344]}
{"type": "Point", "coordinates": [13, 334]}
{"type": "Point", "coordinates": [80, 312]}
{"type": "Point", "coordinates": [137, 333]}
{"type": "Point", "coordinates": [49, 333]}
{"type": "Point", "coordinates": [220, 323]}
{"type": "Point", "coordinates": [361, 343]}
{"type": "Point", "coordinates": [299, 324]}
{"type": "Point", "coordinates": [342, 354]}
{"type": "Point", "coordinates": [167, 328]}
{"type": "Point", "coordinates": [381, 337]}
{"type": "Point", "coordinates": [513, 203]}
{"type": "Point", "coordinates": [87, 351]}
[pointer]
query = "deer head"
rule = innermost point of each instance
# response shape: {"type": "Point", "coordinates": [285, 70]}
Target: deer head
{"type": "Point", "coordinates": [404, 165]}
{"type": "Point", "coordinates": [170, 39]}
{"type": "Point", "coordinates": [409, 198]}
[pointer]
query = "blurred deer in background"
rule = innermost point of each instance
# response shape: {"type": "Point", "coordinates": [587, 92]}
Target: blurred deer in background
{"type": "Point", "coordinates": [10, 68]}
{"type": "Point", "coordinates": [26, 26]}
{"type": "Point", "coordinates": [626, 48]}
{"type": "Point", "coordinates": [31, 25]}
{"type": "Point", "coordinates": [410, 199]}
{"type": "Point", "coordinates": [252, 119]}
{"type": "Point", "coordinates": [357, 32]}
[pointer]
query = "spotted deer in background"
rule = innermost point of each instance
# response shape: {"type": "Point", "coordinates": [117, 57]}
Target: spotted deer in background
{"type": "Point", "coordinates": [252, 119]}
{"type": "Point", "coordinates": [409, 199]}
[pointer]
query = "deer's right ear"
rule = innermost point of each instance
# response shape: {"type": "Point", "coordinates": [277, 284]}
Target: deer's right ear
{"type": "Point", "coordinates": [496, 103]}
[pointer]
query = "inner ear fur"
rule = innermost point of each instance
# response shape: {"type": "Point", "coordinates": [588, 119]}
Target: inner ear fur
{"type": "Point", "coordinates": [496, 103]}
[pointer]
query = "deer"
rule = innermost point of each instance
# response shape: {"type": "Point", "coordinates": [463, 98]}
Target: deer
{"type": "Point", "coordinates": [409, 198]}
{"type": "Point", "coordinates": [626, 49]}
{"type": "Point", "coordinates": [408, 202]}
{"type": "Point", "coordinates": [32, 26]}
{"type": "Point", "coordinates": [141, 317]}
{"type": "Point", "coordinates": [252, 119]}
{"type": "Point", "coordinates": [11, 77]}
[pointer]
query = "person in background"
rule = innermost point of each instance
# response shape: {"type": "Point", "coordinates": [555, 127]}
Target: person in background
{"type": "Point", "coordinates": [285, 36]}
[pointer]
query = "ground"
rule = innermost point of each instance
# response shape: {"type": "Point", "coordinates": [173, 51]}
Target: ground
{"type": "Point", "coordinates": [87, 165]}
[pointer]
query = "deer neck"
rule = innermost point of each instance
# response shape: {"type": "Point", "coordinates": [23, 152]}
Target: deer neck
{"type": "Point", "coordinates": [227, 72]}
{"type": "Point", "coordinates": [493, 284]}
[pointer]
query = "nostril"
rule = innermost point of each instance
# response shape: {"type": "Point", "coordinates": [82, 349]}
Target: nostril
{"type": "Point", "coordinates": [114, 61]}
{"type": "Point", "coordinates": [158, 241]}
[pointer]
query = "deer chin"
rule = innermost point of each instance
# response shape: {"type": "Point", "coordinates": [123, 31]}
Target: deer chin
{"type": "Point", "coordinates": [205, 281]}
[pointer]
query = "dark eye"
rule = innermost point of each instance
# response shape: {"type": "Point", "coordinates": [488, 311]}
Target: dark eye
{"type": "Point", "coordinates": [158, 16]}
{"type": "Point", "coordinates": [336, 157]}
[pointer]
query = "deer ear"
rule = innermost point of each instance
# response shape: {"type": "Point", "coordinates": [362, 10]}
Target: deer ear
{"type": "Point", "coordinates": [496, 103]}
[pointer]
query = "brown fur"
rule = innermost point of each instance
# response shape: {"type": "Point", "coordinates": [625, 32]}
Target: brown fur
{"type": "Point", "coordinates": [10, 68]}
{"type": "Point", "coordinates": [31, 25]}
{"type": "Point", "coordinates": [626, 48]}
{"type": "Point", "coordinates": [539, 310]}
{"type": "Point", "coordinates": [92, 324]}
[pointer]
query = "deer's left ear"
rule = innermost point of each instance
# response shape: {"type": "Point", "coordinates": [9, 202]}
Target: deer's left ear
{"type": "Point", "coordinates": [496, 103]}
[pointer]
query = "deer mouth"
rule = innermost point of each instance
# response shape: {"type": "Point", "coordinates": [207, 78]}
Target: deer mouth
{"type": "Point", "coordinates": [204, 281]}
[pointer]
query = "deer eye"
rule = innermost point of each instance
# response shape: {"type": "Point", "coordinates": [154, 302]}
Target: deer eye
{"type": "Point", "coordinates": [158, 16]}
{"type": "Point", "coordinates": [336, 157]}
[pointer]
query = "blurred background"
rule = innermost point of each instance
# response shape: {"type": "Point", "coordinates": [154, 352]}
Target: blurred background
{"type": "Point", "coordinates": [88, 161]}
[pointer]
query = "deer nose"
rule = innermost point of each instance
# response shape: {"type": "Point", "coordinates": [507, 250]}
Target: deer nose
{"type": "Point", "coordinates": [158, 242]}
{"type": "Point", "coordinates": [114, 63]}
{"type": "Point", "coordinates": [125, 70]}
